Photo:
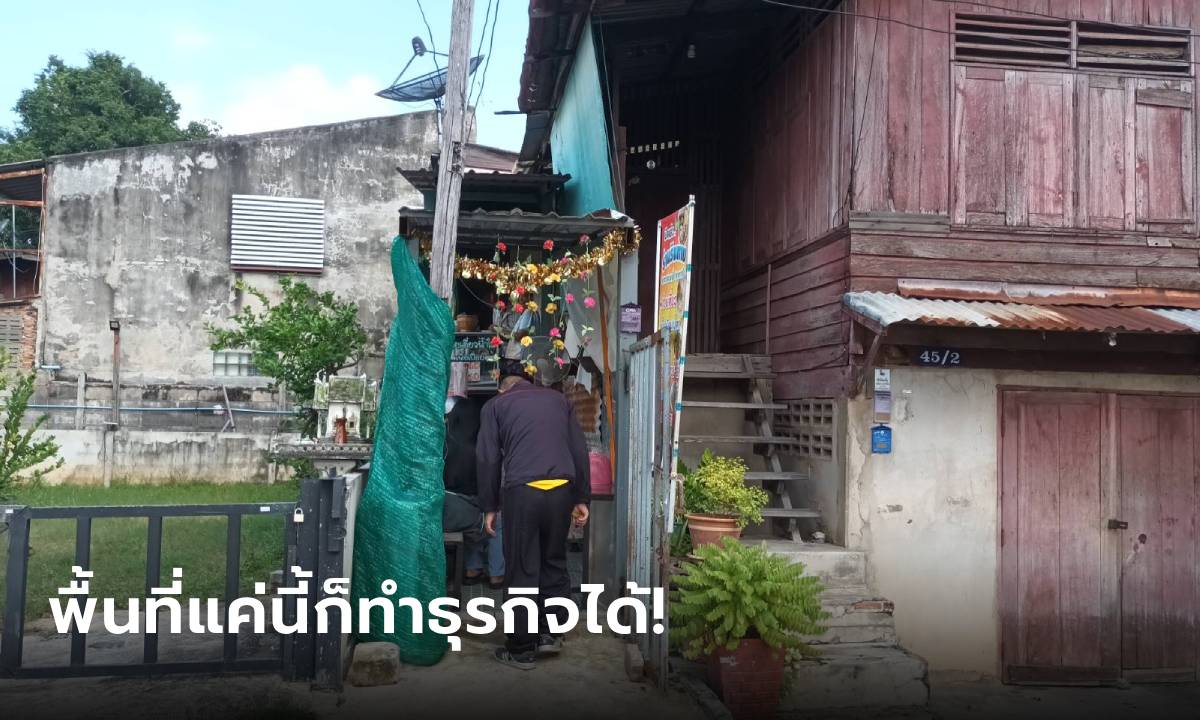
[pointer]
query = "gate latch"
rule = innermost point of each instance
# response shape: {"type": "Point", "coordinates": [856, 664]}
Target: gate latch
{"type": "Point", "coordinates": [1114, 524]}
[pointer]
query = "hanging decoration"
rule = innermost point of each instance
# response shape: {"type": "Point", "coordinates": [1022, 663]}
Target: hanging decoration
{"type": "Point", "coordinates": [516, 277]}
{"type": "Point", "coordinates": [531, 325]}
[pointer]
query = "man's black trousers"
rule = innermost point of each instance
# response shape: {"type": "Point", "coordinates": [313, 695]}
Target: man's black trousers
{"type": "Point", "coordinates": [536, 523]}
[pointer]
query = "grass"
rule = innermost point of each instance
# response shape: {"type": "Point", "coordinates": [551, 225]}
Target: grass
{"type": "Point", "coordinates": [118, 554]}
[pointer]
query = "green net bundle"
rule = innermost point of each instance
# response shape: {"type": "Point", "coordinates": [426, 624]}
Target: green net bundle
{"type": "Point", "coordinates": [398, 533]}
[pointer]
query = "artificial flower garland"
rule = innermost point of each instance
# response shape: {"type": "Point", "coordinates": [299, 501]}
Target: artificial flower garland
{"type": "Point", "coordinates": [508, 277]}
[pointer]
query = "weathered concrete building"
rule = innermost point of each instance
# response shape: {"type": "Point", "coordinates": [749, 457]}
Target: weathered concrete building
{"type": "Point", "coordinates": [156, 238]}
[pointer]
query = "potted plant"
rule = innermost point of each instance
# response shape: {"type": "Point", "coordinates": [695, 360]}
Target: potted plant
{"type": "Point", "coordinates": [745, 610]}
{"type": "Point", "coordinates": [717, 501]}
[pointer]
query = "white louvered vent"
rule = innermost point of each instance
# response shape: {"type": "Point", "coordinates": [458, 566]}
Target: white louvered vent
{"type": "Point", "coordinates": [277, 234]}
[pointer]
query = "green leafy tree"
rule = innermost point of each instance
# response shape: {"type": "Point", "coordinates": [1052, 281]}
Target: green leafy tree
{"type": "Point", "coordinates": [24, 458]}
{"type": "Point", "coordinates": [104, 104]}
{"type": "Point", "coordinates": [734, 592]}
{"type": "Point", "coordinates": [305, 333]}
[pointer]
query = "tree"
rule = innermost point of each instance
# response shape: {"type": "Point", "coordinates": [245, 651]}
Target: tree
{"type": "Point", "coordinates": [22, 458]}
{"type": "Point", "coordinates": [305, 333]}
{"type": "Point", "coordinates": [105, 104]}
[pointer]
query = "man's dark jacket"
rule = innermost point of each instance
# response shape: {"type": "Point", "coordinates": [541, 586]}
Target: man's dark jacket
{"type": "Point", "coordinates": [530, 433]}
{"type": "Point", "coordinates": [462, 429]}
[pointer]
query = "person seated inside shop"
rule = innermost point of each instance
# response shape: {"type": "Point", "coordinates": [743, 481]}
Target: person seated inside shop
{"type": "Point", "coordinates": [485, 553]}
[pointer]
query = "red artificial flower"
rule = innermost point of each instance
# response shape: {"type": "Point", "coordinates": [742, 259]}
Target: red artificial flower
{"type": "Point", "coordinates": [548, 245]}
{"type": "Point", "coordinates": [519, 290]}
{"type": "Point", "coordinates": [555, 332]}
{"type": "Point", "coordinates": [560, 361]}
{"type": "Point", "coordinates": [501, 247]}
{"type": "Point", "coordinates": [496, 341]}
{"type": "Point", "coordinates": [584, 239]}
{"type": "Point", "coordinates": [570, 297]}
{"type": "Point", "coordinates": [518, 308]}
{"type": "Point", "coordinates": [589, 302]}
{"type": "Point", "coordinates": [500, 305]}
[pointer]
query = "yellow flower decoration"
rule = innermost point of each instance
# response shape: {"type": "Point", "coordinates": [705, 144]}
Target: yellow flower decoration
{"type": "Point", "coordinates": [531, 369]}
{"type": "Point", "coordinates": [551, 307]}
{"type": "Point", "coordinates": [553, 278]}
{"type": "Point", "coordinates": [532, 306]}
{"type": "Point", "coordinates": [526, 341]}
{"type": "Point", "coordinates": [531, 268]}
{"type": "Point", "coordinates": [559, 344]}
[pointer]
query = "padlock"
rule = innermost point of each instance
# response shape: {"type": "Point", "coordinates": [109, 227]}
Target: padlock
{"type": "Point", "coordinates": [298, 515]}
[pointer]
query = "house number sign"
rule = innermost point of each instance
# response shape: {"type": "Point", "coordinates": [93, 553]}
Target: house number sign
{"type": "Point", "coordinates": [938, 357]}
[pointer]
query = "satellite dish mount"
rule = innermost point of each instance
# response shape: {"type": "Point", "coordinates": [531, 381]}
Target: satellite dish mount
{"type": "Point", "coordinates": [430, 86]}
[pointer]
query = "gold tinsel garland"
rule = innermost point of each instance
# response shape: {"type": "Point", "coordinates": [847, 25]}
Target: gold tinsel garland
{"type": "Point", "coordinates": [507, 277]}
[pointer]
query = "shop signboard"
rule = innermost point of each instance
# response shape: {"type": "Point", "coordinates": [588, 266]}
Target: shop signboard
{"type": "Point", "coordinates": [674, 262]}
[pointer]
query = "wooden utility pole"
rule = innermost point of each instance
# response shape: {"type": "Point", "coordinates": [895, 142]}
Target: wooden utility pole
{"type": "Point", "coordinates": [449, 186]}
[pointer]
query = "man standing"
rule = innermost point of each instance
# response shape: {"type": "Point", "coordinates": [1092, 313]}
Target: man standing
{"type": "Point", "coordinates": [532, 461]}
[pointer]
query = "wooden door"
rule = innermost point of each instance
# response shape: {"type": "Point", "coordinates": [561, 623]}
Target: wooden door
{"type": "Point", "coordinates": [1057, 615]}
{"type": "Point", "coordinates": [1099, 554]}
{"type": "Point", "coordinates": [1159, 577]}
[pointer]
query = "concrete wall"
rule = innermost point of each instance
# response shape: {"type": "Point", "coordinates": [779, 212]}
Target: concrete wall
{"type": "Point", "coordinates": [160, 455]}
{"type": "Point", "coordinates": [928, 513]}
{"type": "Point", "coordinates": [143, 234]}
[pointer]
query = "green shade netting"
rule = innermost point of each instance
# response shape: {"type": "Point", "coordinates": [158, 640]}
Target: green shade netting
{"type": "Point", "coordinates": [398, 533]}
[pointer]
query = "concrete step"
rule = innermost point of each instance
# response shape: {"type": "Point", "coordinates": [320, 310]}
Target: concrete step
{"type": "Point", "coordinates": [837, 567]}
{"type": "Point", "coordinates": [856, 675]}
{"type": "Point", "coordinates": [855, 616]}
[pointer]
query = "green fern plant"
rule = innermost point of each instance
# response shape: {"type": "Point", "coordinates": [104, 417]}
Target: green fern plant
{"type": "Point", "coordinates": [735, 592]}
{"type": "Point", "coordinates": [718, 487]}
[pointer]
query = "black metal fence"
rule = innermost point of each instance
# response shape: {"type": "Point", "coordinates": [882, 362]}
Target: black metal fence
{"type": "Point", "coordinates": [313, 530]}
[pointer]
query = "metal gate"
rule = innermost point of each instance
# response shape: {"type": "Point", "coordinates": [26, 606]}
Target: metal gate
{"type": "Point", "coordinates": [648, 480]}
{"type": "Point", "coordinates": [313, 535]}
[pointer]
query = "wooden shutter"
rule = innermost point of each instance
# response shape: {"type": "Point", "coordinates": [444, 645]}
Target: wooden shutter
{"type": "Point", "coordinates": [1105, 134]}
{"type": "Point", "coordinates": [1165, 155]}
{"type": "Point", "coordinates": [1013, 147]}
{"type": "Point", "coordinates": [12, 327]}
{"type": "Point", "coordinates": [277, 234]}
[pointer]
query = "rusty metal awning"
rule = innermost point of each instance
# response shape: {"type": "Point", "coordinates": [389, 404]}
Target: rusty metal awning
{"type": "Point", "coordinates": [886, 309]}
{"type": "Point", "coordinates": [481, 227]}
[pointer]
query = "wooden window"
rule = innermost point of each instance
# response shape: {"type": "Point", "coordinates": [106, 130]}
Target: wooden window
{"type": "Point", "coordinates": [277, 234]}
{"type": "Point", "coordinates": [1051, 43]}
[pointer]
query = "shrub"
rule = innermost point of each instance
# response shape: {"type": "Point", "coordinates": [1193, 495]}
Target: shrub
{"type": "Point", "coordinates": [718, 487]}
{"type": "Point", "coordinates": [22, 457]}
{"type": "Point", "coordinates": [735, 592]}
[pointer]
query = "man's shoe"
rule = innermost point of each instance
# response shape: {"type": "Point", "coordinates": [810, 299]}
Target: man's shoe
{"type": "Point", "coordinates": [549, 645]}
{"type": "Point", "coordinates": [521, 661]}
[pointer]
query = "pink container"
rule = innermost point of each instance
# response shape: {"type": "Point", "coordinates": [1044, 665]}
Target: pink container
{"type": "Point", "coordinates": [602, 483]}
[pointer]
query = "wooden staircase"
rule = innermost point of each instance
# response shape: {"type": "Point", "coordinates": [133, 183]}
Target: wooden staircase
{"type": "Point", "coordinates": [753, 374]}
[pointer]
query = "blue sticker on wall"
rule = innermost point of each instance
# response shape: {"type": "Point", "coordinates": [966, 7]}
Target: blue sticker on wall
{"type": "Point", "coordinates": [881, 440]}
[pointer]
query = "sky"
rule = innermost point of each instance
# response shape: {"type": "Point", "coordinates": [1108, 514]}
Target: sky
{"type": "Point", "coordinates": [263, 65]}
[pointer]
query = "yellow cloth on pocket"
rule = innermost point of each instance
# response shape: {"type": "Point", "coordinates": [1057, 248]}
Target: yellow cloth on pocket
{"type": "Point", "coordinates": [547, 484]}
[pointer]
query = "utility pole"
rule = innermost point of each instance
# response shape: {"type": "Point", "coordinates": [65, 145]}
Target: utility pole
{"type": "Point", "coordinates": [449, 186]}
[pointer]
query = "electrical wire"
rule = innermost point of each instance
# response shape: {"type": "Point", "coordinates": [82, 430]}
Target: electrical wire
{"type": "Point", "coordinates": [939, 31]}
{"type": "Point", "coordinates": [487, 61]}
{"type": "Point", "coordinates": [428, 29]}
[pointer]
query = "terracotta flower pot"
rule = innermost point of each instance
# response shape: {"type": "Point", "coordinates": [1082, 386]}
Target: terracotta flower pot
{"type": "Point", "coordinates": [709, 529]}
{"type": "Point", "coordinates": [466, 323]}
{"type": "Point", "coordinates": [749, 680]}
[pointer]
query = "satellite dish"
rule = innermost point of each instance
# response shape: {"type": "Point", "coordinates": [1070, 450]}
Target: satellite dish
{"type": "Point", "coordinates": [429, 86]}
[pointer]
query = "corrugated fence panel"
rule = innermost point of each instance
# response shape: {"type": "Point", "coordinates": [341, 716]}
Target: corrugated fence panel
{"type": "Point", "coordinates": [277, 233]}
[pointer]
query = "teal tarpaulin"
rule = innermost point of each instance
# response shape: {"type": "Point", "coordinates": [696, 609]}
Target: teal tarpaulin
{"type": "Point", "coordinates": [398, 533]}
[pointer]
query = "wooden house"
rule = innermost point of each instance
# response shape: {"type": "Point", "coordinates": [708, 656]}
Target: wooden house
{"type": "Point", "coordinates": [994, 202]}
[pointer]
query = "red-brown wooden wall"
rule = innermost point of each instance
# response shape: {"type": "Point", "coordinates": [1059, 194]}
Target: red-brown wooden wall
{"type": "Point", "coordinates": [1019, 175]}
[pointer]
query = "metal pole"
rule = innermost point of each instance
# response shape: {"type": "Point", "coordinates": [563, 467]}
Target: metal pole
{"type": "Point", "coordinates": [115, 326]}
{"type": "Point", "coordinates": [449, 186]}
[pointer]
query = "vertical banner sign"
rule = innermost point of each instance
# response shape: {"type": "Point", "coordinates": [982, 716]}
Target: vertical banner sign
{"type": "Point", "coordinates": [670, 318]}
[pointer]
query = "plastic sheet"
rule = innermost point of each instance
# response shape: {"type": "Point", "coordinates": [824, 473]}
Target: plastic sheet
{"type": "Point", "coordinates": [399, 526]}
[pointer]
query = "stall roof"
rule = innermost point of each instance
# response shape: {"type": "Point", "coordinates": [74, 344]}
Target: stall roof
{"type": "Point", "coordinates": [425, 180]}
{"type": "Point", "coordinates": [887, 309]}
{"type": "Point", "coordinates": [485, 228]}
{"type": "Point", "coordinates": [22, 181]}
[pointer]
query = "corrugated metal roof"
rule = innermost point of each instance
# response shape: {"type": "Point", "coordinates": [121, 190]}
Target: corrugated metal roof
{"type": "Point", "coordinates": [891, 308]}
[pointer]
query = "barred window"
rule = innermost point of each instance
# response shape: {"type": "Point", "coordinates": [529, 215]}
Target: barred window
{"type": "Point", "coordinates": [233, 363]}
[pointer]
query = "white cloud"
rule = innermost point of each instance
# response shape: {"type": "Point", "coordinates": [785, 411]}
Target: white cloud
{"type": "Point", "coordinates": [303, 95]}
{"type": "Point", "coordinates": [191, 38]}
